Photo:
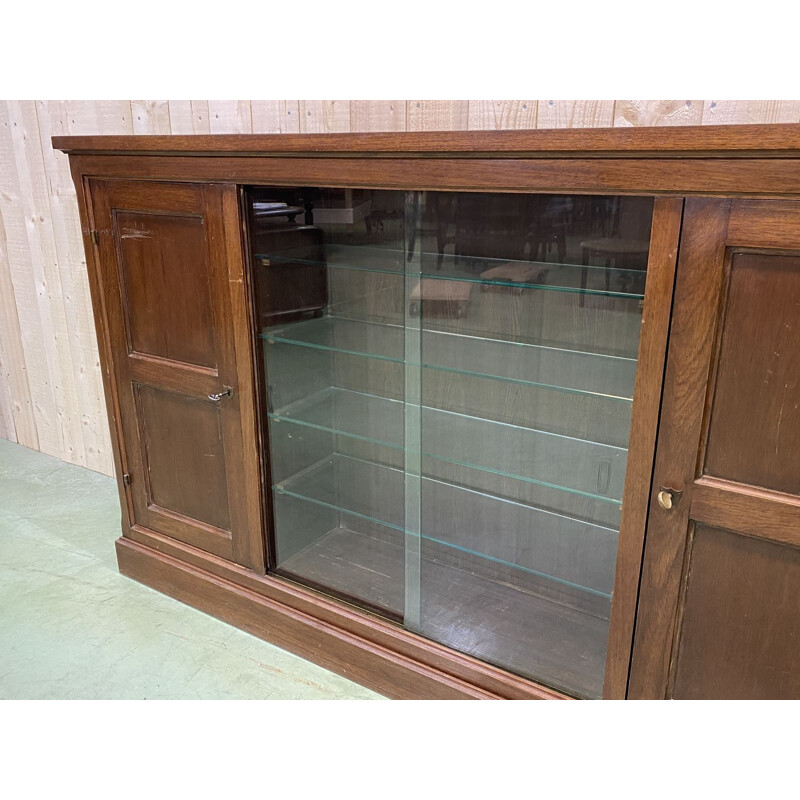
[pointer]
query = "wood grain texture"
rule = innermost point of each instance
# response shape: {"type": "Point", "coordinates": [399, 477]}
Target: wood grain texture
{"type": "Point", "coordinates": [321, 613]}
{"type": "Point", "coordinates": [230, 116]}
{"type": "Point", "coordinates": [324, 116]}
{"type": "Point", "coordinates": [667, 217]}
{"type": "Point", "coordinates": [736, 112]}
{"type": "Point", "coordinates": [170, 349]}
{"type": "Point", "coordinates": [698, 283]}
{"type": "Point", "coordinates": [707, 176]}
{"type": "Point", "coordinates": [104, 117]}
{"type": "Point", "coordinates": [742, 620]}
{"type": "Point", "coordinates": [575, 114]}
{"type": "Point", "coordinates": [658, 112]}
{"type": "Point", "coordinates": [667, 564]}
{"type": "Point", "coordinates": [47, 279]}
{"type": "Point", "coordinates": [717, 610]}
{"type": "Point", "coordinates": [75, 290]}
{"type": "Point", "coordinates": [26, 372]}
{"type": "Point", "coordinates": [29, 299]}
{"type": "Point", "coordinates": [368, 664]}
{"type": "Point", "coordinates": [18, 421]}
{"type": "Point", "coordinates": [546, 641]}
{"type": "Point", "coordinates": [768, 224]}
{"type": "Point", "coordinates": [377, 115]}
{"type": "Point", "coordinates": [99, 311]}
{"type": "Point", "coordinates": [174, 434]}
{"type": "Point", "coordinates": [275, 116]}
{"type": "Point", "coordinates": [437, 115]}
{"type": "Point", "coordinates": [150, 116]}
{"type": "Point", "coordinates": [754, 433]}
{"type": "Point", "coordinates": [501, 115]}
{"type": "Point", "coordinates": [189, 116]}
{"type": "Point", "coordinates": [691, 140]}
{"type": "Point", "coordinates": [747, 510]}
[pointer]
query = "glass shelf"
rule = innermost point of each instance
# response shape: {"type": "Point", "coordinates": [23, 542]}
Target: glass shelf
{"type": "Point", "coordinates": [576, 278]}
{"type": "Point", "coordinates": [574, 371]}
{"type": "Point", "coordinates": [456, 517]}
{"type": "Point", "coordinates": [555, 461]}
{"type": "Point", "coordinates": [341, 335]}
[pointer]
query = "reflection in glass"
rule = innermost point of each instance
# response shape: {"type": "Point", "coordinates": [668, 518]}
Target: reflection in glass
{"type": "Point", "coordinates": [448, 386]}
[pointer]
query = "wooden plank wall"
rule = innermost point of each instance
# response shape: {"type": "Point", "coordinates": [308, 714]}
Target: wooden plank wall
{"type": "Point", "coordinates": [50, 385]}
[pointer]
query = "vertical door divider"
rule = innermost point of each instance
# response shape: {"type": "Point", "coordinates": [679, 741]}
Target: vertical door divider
{"type": "Point", "coordinates": [412, 435]}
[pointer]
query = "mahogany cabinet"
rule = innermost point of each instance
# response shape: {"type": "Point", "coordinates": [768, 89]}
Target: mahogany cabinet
{"type": "Point", "coordinates": [463, 415]}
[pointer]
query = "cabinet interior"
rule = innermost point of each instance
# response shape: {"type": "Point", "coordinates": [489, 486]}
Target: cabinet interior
{"type": "Point", "coordinates": [447, 388]}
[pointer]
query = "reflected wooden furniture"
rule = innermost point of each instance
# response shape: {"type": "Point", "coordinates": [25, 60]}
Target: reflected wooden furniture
{"type": "Point", "coordinates": [705, 597]}
{"type": "Point", "coordinates": [611, 252]}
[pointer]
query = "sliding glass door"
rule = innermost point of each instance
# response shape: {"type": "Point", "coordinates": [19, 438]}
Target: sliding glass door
{"type": "Point", "coordinates": [448, 385]}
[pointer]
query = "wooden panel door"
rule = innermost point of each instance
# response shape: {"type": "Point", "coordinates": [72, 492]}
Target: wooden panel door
{"type": "Point", "coordinates": [170, 263]}
{"type": "Point", "coordinates": [719, 607]}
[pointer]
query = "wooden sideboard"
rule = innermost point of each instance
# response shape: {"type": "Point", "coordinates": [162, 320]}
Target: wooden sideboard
{"type": "Point", "coordinates": [463, 415]}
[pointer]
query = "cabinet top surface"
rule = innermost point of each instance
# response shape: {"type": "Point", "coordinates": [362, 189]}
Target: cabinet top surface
{"type": "Point", "coordinates": [696, 141]}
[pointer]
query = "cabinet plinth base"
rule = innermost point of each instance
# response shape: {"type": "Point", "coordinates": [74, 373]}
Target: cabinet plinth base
{"type": "Point", "coordinates": [409, 668]}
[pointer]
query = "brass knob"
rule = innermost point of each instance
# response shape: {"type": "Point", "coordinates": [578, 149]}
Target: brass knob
{"type": "Point", "coordinates": [665, 499]}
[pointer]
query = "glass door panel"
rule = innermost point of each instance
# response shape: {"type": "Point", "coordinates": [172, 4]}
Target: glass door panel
{"type": "Point", "coordinates": [448, 384]}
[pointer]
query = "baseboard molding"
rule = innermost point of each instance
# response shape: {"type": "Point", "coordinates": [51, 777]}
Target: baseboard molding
{"type": "Point", "coordinates": [334, 647]}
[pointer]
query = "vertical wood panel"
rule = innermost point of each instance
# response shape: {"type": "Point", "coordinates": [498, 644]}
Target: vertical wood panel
{"type": "Point", "coordinates": [267, 115]}
{"type": "Point", "coordinates": [575, 114]}
{"type": "Point", "coordinates": [188, 116]}
{"type": "Point", "coordinates": [657, 112]}
{"type": "Point", "coordinates": [437, 115]}
{"type": "Point", "coordinates": [45, 265]}
{"type": "Point", "coordinates": [501, 115]}
{"type": "Point", "coordinates": [52, 119]}
{"type": "Point", "coordinates": [275, 116]}
{"type": "Point", "coordinates": [230, 116]}
{"type": "Point", "coordinates": [8, 428]}
{"type": "Point", "coordinates": [377, 115]}
{"type": "Point", "coordinates": [85, 117]}
{"type": "Point", "coordinates": [324, 116]}
{"type": "Point", "coordinates": [27, 293]}
{"type": "Point", "coordinates": [150, 116]}
{"type": "Point", "coordinates": [736, 112]}
{"type": "Point", "coordinates": [16, 393]}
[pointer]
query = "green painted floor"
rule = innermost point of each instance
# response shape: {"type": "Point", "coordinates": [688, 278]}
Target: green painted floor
{"type": "Point", "coordinates": [72, 627]}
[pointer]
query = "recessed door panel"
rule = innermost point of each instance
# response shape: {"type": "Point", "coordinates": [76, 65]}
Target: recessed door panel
{"type": "Point", "coordinates": [754, 433]}
{"type": "Point", "coordinates": [163, 262]}
{"type": "Point", "coordinates": [184, 457]}
{"type": "Point", "coordinates": [741, 622]}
